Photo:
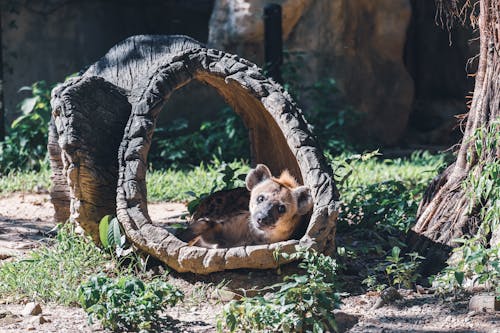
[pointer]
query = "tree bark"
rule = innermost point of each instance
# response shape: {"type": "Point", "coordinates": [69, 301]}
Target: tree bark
{"type": "Point", "coordinates": [448, 209]}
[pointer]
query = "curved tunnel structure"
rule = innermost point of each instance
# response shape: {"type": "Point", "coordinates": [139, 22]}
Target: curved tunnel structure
{"type": "Point", "coordinates": [279, 138]}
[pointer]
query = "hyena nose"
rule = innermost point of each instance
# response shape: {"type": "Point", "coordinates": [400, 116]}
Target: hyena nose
{"type": "Point", "coordinates": [263, 219]}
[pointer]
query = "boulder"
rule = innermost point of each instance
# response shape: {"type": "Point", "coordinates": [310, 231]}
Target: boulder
{"type": "Point", "coordinates": [359, 43]}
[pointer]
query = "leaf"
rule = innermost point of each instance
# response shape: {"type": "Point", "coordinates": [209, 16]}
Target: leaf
{"type": "Point", "coordinates": [28, 105]}
{"type": "Point", "coordinates": [395, 252]}
{"type": "Point", "coordinates": [25, 88]}
{"type": "Point", "coordinates": [193, 205]}
{"type": "Point", "coordinates": [115, 228]}
{"type": "Point", "coordinates": [19, 120]}
{"type": "Point", "coordinates": [103, 230]}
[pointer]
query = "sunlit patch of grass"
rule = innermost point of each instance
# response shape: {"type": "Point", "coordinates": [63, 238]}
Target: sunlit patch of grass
{"type": "Point", "coordinates": [385, 193]}
{"type": "Point", "coordinates": [24, 181]}
{"type": "Point", "coordinates": [173, 184]}
{"type": "Point", "coordinates": [53, 271]}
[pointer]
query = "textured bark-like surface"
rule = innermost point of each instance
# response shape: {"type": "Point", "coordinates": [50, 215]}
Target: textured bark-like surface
{"type": "Point", "coordinates": [445, 213]}
{"type": "Point", "coordinates": [89, 115]}
{"type": "Point", "coordinates": [59, 191]}
{"type": "Point", "coordinates": [279, 137]}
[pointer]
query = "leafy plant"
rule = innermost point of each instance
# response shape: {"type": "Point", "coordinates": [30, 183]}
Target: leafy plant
{"type": "Point", "coordinates": [301, 303]}
{"type": "Point", "coordinates": [176, 145]}
{"type": "Point", "coordinates": [400, 272]}
{"type": "Point", "coordinates": [228, 177]}
{"type": "Point", "coordinates": [127, 303]}
{"type": "Point", "coordinates": [475, 262]}
{"type": "Point", "coordinates": [383, 195]}
{"type": "Point", "coordinates": [330, 116]}
{"type": "Point", "coordinates": [397, 271]}
{"type": "Point", "coordinates": [112, 236]}
{"type": "Point", "coordinates": [477, 259]}
{"type": "Point", "coordinates": [25, 146]}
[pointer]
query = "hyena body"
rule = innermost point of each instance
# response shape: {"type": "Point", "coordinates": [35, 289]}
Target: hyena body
{"type": "Point", "coordinates": [275, 211]}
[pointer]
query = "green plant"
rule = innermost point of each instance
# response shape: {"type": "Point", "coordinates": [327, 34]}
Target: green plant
{"type": "Point", "coordinates": [177, 184]}
{"type": "Point", "coordinates": [25, 181]}
{"type": "Point", "coordinates": [301, 303]}
{"type": "Point", "coordinates": [371, 282]}
{"type": "Point", "coordinates": [383, 195]}
{"type": "Point", "coordinates": [53, 271]}
{"type": "Point", "coordinates": [25, 146]}
{"type": "Point", "coordinates": [396, 270]}
{"type": "Point", "coordinates": [477, 259]}
{"type": "Point", "coordinates": [127, 303]}
{"type": "Point", "coordinates": [228, 177]}
{"type": "Point", "coordinates": [400, 272]}
{"type": "Point", "coordinates": [330, 116]}
{"type": "Point", "coordinates": [178, 145]}
{"type": "Point", "coordinates": [112, 236]}
{"type": "Point", "coordinates": [475, 262]}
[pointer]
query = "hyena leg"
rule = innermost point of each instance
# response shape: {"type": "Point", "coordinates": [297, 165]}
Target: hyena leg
{"type": "Point", "coordinates": [205, 231]}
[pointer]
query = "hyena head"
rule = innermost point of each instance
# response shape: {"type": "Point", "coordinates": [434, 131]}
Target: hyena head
{"type": "Point", "coordinates": [276, 204]}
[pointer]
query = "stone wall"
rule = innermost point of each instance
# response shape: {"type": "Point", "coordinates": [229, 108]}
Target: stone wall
{"type": "Point", "coordinates": [390, 60]}
{"type": "Point", "coordinates": [48, 40]}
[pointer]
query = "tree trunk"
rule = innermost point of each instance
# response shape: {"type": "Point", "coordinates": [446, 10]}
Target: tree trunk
{"type": "Point", "coordinates": [449, 209]}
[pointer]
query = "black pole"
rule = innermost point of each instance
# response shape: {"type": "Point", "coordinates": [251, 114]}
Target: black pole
{"type": "Point", "coordinates": [273, 44]}
{"type": "Point", "coordinates": [2, 104]}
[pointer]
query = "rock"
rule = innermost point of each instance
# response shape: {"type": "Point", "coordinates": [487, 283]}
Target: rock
{"type": "Point", "coordinates": [32, 309]}
{"type": "Point", "coordinates": [237, 25]}
{"type": "Point", "coordinates": [358, 43]}
{"type": "Point", "coordinates": [387, 296]}
{"type": "Point", "coordinates": [37, 320]}
{"type": "Point", "coordinates": [345, 321]}
{"type": "Point", "coordinates": [224, 295]}
{"type": "Point", "coordinates": [484, 303]}
{"type": "Point", "coordinates": [7, 318]}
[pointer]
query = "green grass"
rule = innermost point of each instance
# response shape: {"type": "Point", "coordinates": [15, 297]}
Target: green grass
{"type": "Point", "coordinates": [173, 185]}
{"type": "Point", "coordinates": [54, 271]}
{"type": "Point", "coordinates": [416, 170]}
{"type": "Point", "coordinates": [378, 192]}
{"type": "Point", "coordinates": [384, 193]}
{"type": "Point", "coordinates": [24, 181]}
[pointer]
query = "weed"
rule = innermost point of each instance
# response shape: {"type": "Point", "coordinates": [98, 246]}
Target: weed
{"type": "Point", "coordinates": [397, 271]}
{"type": "Point", "coordinates": [54, 271]}
{"type": "Point", "coordinates": [25, 146]}
{"type": "Point", "coordinates": [176, 145]}
{"type": "Point", "coordinates": [25, 181]}
{"type": "Point", "coordinates": [477, 259]}
{"type": "Point", "coordinates": [383, 195]}
{"type": "Point", "coordinates": [180, 185]}
{"type": "Point", "coordinates": [400, 272]}
{"type": "Point", "coordinates": [301, 303]}
{"type": "Point", "coordinates": [127, 303]}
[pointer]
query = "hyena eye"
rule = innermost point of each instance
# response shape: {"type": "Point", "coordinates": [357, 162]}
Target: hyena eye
{"type": "Point", "coordinates": [260, 198]}
{"type": "Point", "coordinates": [281, 209]}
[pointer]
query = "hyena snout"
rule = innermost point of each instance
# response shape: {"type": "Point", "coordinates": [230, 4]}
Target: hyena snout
{"type": "Point", "coordinates": [267, 216]}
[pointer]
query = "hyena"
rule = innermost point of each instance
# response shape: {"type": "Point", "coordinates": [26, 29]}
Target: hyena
{"type": "Point", "coordinates": [276, 208]}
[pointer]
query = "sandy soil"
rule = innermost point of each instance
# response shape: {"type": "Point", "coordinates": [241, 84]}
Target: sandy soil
{"type": "Point", "coordinates": [24, 220]}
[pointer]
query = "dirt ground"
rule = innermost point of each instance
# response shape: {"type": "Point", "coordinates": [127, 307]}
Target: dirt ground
{"type": "Point", "coordinates": [25, 218]}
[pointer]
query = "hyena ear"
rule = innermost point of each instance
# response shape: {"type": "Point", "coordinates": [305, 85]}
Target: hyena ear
{"type": "Point", "coordinates": [257, 175]}
{"type": "Point", "coordinates": [304, 199]}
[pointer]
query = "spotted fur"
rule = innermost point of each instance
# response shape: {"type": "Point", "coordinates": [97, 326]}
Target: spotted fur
{"type": "Point", "coordinates": [276, 208]}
